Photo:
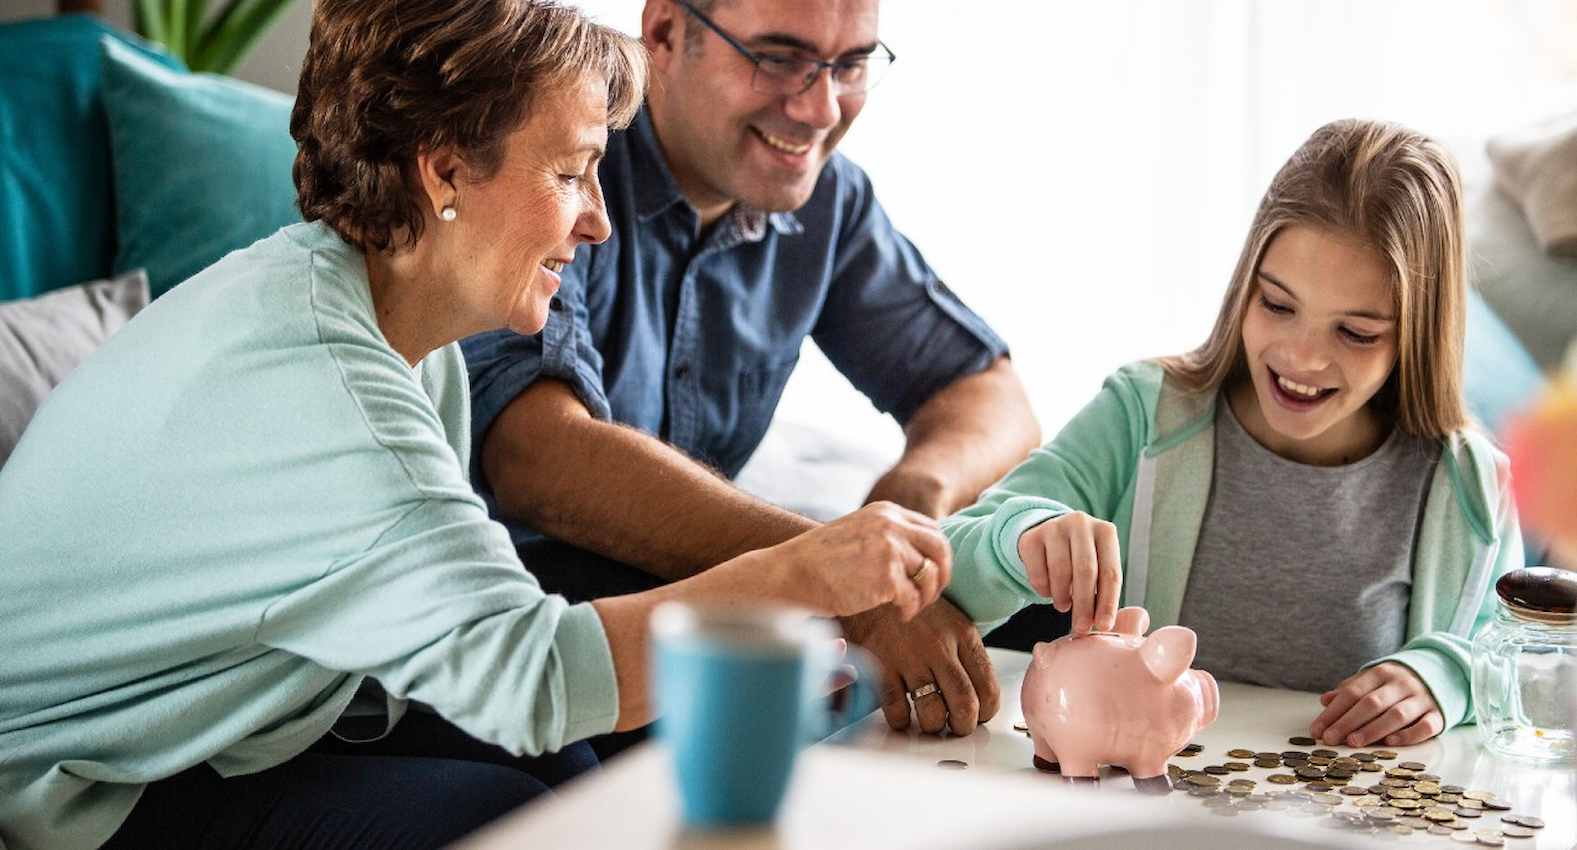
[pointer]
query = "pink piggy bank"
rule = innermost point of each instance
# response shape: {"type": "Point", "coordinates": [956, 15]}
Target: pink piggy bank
{"type": "Point", "coordinates": [1117, 698]}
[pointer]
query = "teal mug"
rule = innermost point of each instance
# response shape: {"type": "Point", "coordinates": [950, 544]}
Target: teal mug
{"type": "Point", "coordinates": [740, 691]}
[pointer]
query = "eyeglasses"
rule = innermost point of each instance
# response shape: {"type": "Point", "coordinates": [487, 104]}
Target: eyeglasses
{"type": "Point", "coordinates": [790, 74]}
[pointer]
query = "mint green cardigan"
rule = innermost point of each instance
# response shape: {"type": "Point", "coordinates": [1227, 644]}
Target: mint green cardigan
{"type": "Point", "coordinates": [240, 508]}
{"type": "Point", "coordinates": [1141, 455]}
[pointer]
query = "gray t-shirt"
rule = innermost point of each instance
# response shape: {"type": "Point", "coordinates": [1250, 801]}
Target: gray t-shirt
{"type": "Point", "coordinates": [1302, 574]}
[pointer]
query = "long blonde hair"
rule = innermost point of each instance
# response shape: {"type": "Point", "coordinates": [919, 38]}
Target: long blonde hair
{"type": "Point", "coordinates": [1397, 191]}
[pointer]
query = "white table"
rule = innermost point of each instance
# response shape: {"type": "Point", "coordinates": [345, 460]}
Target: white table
{"type": "Point", "coordinates": [884, 789]}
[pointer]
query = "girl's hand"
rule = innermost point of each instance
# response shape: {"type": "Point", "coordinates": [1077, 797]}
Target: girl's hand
{"type": "Point", "coordinates": [1386, 703]}
{"type": "Point", "coordinates": [1073, 560]}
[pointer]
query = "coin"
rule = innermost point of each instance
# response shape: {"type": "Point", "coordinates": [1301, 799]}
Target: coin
{"type": "Point", "coordinates": [1264, 756]}
{"type": "Point", "coordinates": [1400, 773]}
{"type": "Point", "coordinates": [1464, 838]}
{"type": "Point", "coordinates": [1414, 821]}
{"type": "Point", "coordinates": [1370, 767]}
{"type": "Point", "coordinates": [1248, 782]}
{"type": "Point", "coordinates": [1235, 766]}
{"type": "Point", "coordinates": [1452, 789]}
{"type": "Point", "coordinates": [1327, 753]}
{"type": "Point", "coordinates": [1439, 830]}
{"type": "Point", "coordinates": [1413, 765]}
{"type": "Point", "coordinates": [1402, 794]}
{"type": "Point", "coordinates": [1427, 777]}
{"type": "Point", "coordinates": [1528, 821]}
{"type": "Point", "coordinates": [1516, 831]}
{"type": "Point", "coordinates": [1447, 798]}
{"type": "Point", "coordinates": [1354, 791]}
{"type": "Point", "coordinates": [1239, 791]}
{"type": "Point", "coordinates": [1497, 805]}
{"type": "Point", "coordinates": [1241, 753]}
{"type": "Point", "coordinates": [1439, 815]}
{"type": "Point", "coordinates": [1405, 805]}
{"type": "Point", "coordinates": [1385, 755]}
{"type": "Point", "coordinates": [1393, 782]}
{"type": "Point", "coordinates": [1310, 773]}
{"type": "Point", "coordinates": [952, 764]}
{"type": "Point", "coordinates": [1203, 780]}
{"type": "Point", "coordinates": [1295, 754]}
{"type": "Point", "coordinates": [1478, 795]}
{"type": "Point", "coordinates": [1492, 840]}
{"type": "Point", "coordinates": [1318, 787]}
{"type": "Point", "coordinates": [1469, 813]}
{"type": "Point", "coordinates": [1381, 814]}
{"type": "Point", "coordinates": [1365, 757]}
{"type": "Point", "coordinates": [1470, 803]}
{"type": "Point", "coordinates": [1338, 773]}
{"type": "Point", "coordinates": [1428, 789]}
{"type": "Point", "coordinates": [1301, 741]}
{"type": "Point", "coordinates": [1319, 761]}
{"type": "Point", "coordinates": [1216, 770]}
{"type": "Point", "coordinates": [1267, 764]}
{"type": "Point", "coordinates": [1282, 778]}
{"type": "Point", "coordinates": [1367, 802]}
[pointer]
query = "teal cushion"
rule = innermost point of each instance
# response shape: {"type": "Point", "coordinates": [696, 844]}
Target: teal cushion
{"type": "Point", "coordinates": [57, 224]}
{"type": "Point", "coordinates": [1499, 376]}
{"type": "Point", "coordinates": [201, 162]}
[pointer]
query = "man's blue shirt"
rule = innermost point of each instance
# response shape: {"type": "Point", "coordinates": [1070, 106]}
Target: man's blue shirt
{"type": "Point", "coordinates": [691, 336]}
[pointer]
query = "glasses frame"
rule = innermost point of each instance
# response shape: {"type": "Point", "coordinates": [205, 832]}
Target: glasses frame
{"type": "Point", "coordinates": [756, 59]}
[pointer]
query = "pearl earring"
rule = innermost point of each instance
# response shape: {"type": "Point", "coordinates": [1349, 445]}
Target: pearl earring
{"type": "Point", "coordinates": [448, 213]}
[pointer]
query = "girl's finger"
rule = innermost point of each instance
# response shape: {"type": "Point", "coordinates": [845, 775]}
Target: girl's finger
{"type": "Point", "coordinates": [1398, 716]}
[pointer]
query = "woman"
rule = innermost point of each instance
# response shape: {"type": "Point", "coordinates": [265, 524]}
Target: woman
{"type": "Point", "coordinates": [1304, 490]}
{"type": "Point", "coordinates": [248, 520]}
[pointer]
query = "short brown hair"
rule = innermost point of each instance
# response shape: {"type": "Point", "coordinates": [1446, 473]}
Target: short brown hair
{"type": "Point", "coordinates": [1398, 192]}
{"type": "Point", "coordinates": [386, 80]}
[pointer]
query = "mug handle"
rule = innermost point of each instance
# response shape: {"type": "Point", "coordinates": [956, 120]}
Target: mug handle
{"type": "Point", "coordinates": [862, 694]}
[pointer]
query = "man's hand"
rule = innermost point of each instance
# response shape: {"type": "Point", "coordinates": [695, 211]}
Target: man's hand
{"type": "Point", "coordinates": [939, 646]}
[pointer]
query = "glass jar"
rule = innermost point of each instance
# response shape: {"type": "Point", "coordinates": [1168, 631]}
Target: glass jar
{"type": "Point", "coordinates": [1525, 668]}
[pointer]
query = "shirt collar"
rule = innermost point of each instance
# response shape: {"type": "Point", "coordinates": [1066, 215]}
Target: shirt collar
{"type": "Point", "coordinates": [656, 190]}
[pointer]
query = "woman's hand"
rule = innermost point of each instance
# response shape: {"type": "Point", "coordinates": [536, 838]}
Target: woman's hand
{"type": "Point", "coordinates": [1386, 703]}
{"type": "Point", "coordinates": [880, 553]}
{"type": "Point", "coordinates": [1073, 560]}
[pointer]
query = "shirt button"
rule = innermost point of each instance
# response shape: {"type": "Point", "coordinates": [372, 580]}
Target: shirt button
{"type": "Point", "coordinates": [556, 304]}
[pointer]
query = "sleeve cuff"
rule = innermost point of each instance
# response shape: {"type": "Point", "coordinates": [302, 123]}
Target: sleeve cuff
{"type": "Point", "coordinates": [1016, 520]}
{"type": "Point", "coordinates": [591, 689]}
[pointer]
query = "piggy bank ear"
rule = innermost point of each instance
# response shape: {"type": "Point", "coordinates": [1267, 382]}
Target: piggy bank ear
{"type": "Point", "coordinates": [1168, 652]}
{"type": "Point", "coordinates": [1132, 620]}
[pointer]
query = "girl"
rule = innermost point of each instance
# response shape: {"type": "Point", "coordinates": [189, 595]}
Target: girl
{"type": "Point", "coordinates": [1304, 490]}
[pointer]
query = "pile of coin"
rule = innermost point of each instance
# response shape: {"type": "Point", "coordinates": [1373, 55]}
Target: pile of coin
{"type": "Point", "coordinates": [1355, 791]}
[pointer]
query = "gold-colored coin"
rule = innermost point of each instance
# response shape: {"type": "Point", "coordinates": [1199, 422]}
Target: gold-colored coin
{"type": "Point", "coordinates": [1354, 791]}
{"type": "Point", "coordinates": [1402, 794]}
{"type": "Point", "coordinates": [1515, 831]}
{"type": "Point", "coordinates": [1394, 782]}
{"type": "Point", "coordinates": [1241, 753]}
{"type": "Point", "coordinates": [1216, 770]}
{"type": "Point", "coordinates": [1267, 756]}
{"type": "Point", "coordinates": [1301, 741]}
{"type": "Point", "coordinates": [1365, 757]}
{"type": "Point", "coordinates": [1202, 780]}
{"type": "Point", "coordinates": [1528, 821]}
{"type": "Point", "coordinates": [1330, 754]}
{"type": "Point", "coordinates": [1443, 797]}
{"type": "Point", "coordinates": [1428, 789]}
{"type": "Point", "coordinates": [1414, 765]}
{"type": "Point", "coordinates": [1241, 783]}
{"type": "Point", "coordinates": [1370, 767]}
{"type": "Point", "coordinates": [1405, 805]}
{"type": "Point", "coordinates": [1282, 778]}
{"type": "Point", "coordinates": [1464, 838]}
{"type": "Point", "coordinates": [1385, 755]}
{"type": "Point", "coordinates": [1319, 761]}
{"type": "Point", "coordinates": [1439, 815]}
{"type": "Point", "coordinates": [1470, 814]}
{"type": "Point", "coordinates": [1497, 805]}
{"type": "Point", "coordinates": [1401, 773]}
{"type": "Point", "coordinates": [1310, 773]}
{"type": "Point", "coordinates": [1235, 766]}
{"type": "Point", "coordinates": [1381, 814]}
{"type": "Point", "coordinates": [1367, 802]}
{"type": "Point", "coordinates": [1471, 802]}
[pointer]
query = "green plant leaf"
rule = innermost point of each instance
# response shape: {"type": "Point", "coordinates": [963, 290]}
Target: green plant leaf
{"type": "Point", "coordinates": [221, 22]}
{"type": "Point", "coordinates": [175, 27]}
{"type": "Point", "coordinates": [150, 21]}
{"type": "Point", "coordinates": [237, 33]}
{"type": "Point", "coordinates": [195, 11]}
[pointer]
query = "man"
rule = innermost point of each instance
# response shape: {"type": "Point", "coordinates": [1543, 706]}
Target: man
{"type": "Point", "coordinates": [737, 233]}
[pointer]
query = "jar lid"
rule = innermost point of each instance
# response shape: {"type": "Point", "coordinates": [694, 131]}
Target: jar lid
{"type": "Point", "coordinates": [1544, 594]}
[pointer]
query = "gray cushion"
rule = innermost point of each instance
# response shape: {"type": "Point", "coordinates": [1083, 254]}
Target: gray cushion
{"type": "Point", "coordinates": [43, 339]}
{"type": "Point", "coordinates": [1534, 293]}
